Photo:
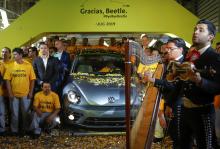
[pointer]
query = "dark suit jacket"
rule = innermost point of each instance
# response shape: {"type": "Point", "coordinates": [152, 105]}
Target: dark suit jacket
{"type": "Point", "coordinates": [50, 74]}
{"type": "Point", "coordinates": [166, 88]}
{"type": "Point", "coordinates": [210, 86]}
{"type": "Point", "coordinates": [65, 60]}
{"type": "Point", "coordinates": [199, 94]}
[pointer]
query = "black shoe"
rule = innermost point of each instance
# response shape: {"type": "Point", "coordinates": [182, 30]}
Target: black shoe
{"type": "Point", "coordinates": [21, 134]}
{"type": "Point", "coordinates": [2, 134]}
{"type": "Point", "coordinates": [48, 131]}
{"type": "Point", "coordinates": [13, 134]}
{"type": "Point", "coordinates": [35, 136]}
{"type": "Point", "coordinates": [29, 133]}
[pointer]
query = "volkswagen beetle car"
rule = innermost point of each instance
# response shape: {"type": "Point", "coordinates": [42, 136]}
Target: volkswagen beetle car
{"type": "Point", "coordinates": [95, 94]}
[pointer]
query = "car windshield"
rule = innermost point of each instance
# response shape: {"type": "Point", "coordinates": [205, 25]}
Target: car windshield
{"type": "Point", "coordinates": [99, 63]}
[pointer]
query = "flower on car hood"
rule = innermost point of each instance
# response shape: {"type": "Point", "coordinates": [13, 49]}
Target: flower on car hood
{"type": "Point", "coordinates": [107, 79]}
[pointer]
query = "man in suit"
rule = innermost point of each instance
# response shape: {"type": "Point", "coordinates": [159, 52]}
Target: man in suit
{"type": "Point", "coordinates": [62, 55]}
{"type": "Point", "coordinates": [174, 52]}
{"type": "Point", "coordinates": [64, 65]}
{"type": "Point", "coordinates": [45, 67]}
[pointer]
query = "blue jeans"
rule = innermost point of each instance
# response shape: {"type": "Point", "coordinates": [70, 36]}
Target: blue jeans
{"type": "Point", "coordinates": [2, 114]}
{"type": "Point", "coordinates": [20, 105]}
{"type": "Point", "coordinates": [37, 121]}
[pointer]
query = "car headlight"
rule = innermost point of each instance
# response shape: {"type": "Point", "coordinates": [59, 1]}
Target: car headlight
{"type": "Point", "coordinates": [73, 97]}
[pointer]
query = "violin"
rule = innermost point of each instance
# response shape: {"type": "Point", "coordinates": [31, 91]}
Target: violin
{"type": "Point", "coordinates": [176, 70]}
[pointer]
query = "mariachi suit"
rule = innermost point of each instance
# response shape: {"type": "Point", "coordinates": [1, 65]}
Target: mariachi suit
{"type": "Point", "coordinates": [48, 74]}
{"type": "Point", "coordinates": [167, 90]}
{"type": "Point", "coordinates": [198, 117]}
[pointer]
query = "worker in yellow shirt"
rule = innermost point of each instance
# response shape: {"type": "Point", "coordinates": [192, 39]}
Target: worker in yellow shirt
{"type": "Point", "coordinates": [4, 64]}
{"type": "Point", "coordinates": [20, 79]}
{"type": "Point", "coordinates": [46, 107]}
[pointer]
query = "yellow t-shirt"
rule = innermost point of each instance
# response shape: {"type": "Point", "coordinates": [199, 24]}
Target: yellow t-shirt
{"type": "Point", "coordinates": [20, 76]}
{"type": "Point", "coordinates": [46, 103]}
{"type": "Point", "coordinates": [71, 49]}
{"type": "Point", "coordinates": [2, 75]}
{"type": "Point", "coordinates": [142, 68]}
{"type": "Point", "coordinates": [3, 67]}
{"type": "Point", "coordinates": [28, 59]}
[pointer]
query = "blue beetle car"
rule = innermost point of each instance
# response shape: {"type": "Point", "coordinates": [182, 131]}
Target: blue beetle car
{"type": "Point", "coordinates": [95, 94]}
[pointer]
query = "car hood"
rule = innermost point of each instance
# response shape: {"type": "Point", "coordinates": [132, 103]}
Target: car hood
{"type": "Point", "coordinates": [102, 91]}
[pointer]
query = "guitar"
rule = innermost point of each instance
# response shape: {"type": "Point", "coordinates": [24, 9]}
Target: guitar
{"type": "Point", "coordinates": [182, 71]}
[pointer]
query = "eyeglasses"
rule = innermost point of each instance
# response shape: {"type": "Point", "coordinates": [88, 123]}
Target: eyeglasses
{"type": "Point", "coordinates": [172, 49]}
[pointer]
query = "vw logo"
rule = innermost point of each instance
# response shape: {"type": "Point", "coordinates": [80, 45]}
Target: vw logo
{"type": "Point", "coordinates": [111, 99]}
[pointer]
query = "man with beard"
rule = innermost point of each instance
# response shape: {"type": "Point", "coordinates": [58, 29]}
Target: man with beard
{"type": "Point", "coordinates": [46, 107]}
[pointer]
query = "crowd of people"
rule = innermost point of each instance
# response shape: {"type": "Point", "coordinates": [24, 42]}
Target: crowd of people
{"type": "Point", "coordinates": [31, 83]}
{"type": "Point", "coordinates": [188, 105]}
{"type": "Point", "coordinates": [29, 76]}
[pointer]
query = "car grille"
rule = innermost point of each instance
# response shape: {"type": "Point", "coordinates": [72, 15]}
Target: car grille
{"type": "Point", "coordinates": [114, 122]}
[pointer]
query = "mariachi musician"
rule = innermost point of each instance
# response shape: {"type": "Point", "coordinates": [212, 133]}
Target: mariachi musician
{"type": "Point", "coordinates": [197, 93]}
{"type": "Point", "coordinates": [174, 49]}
